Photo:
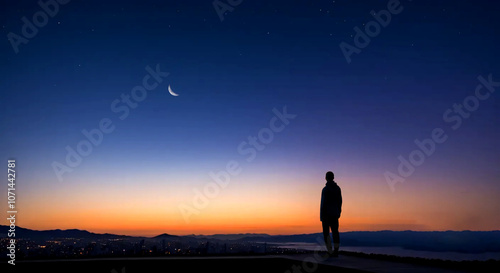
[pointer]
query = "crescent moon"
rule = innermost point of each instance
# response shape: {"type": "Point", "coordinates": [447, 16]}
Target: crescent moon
{"type": "Point", "coordinates": [172, 92]}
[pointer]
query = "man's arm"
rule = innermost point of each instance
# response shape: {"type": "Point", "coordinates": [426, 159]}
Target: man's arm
{"type": "Point", "coordinates": [321, 205]}
{"type": "Point", "coordinates": [340, 201]}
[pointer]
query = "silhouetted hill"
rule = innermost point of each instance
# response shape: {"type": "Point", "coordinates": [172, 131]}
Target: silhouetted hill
{"type": "Point", "coordinates": [25, 233]}
{"type": "Point", "coordinates": [166, 236]}
{"type": "Point", "coordinates": [457, 241]}
{"type": "Point", "coordinates": [299, 238]}
{"type": "Point", "coordinates": [233, 236]}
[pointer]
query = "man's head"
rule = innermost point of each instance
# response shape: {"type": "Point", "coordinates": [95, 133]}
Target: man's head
{"type": "Point", "coordinates": [329, 176]}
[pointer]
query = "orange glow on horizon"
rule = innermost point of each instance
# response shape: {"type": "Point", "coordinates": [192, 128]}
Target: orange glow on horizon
{"type": "Point", "coordinates": [258, 208]}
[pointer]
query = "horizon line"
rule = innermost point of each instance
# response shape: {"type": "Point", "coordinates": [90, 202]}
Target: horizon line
{"type": "Point", "coordinates": [257, 233]}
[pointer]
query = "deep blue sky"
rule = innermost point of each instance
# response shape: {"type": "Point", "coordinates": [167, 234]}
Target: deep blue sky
{"type": "Point", "coordinates": [352, 118]}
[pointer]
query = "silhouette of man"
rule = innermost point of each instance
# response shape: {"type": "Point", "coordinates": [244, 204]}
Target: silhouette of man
{"type": "Point", "coordinates": [331, 207]}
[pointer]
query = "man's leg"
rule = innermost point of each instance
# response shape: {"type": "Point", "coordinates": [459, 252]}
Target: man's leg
{"type": "Point", "coordinates": [335, 235]}
{"type": "Point", "coordinates": [326, 236]}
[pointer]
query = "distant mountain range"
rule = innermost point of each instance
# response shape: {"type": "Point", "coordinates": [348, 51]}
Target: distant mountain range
{"type": "Point", "coordinates": [57, 233]}
{"type": "Point", "coordinates": [457, 241]}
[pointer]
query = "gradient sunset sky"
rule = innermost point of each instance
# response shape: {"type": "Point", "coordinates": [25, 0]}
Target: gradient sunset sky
{"type": "Point", "coordinates": [354, 119]}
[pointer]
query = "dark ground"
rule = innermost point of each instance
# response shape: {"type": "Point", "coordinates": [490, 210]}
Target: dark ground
{"type": "Point", "coordinates": [233, 265]}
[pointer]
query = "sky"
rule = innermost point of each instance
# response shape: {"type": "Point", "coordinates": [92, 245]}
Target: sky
{"type": "Point", "coordinates": [302, 79]}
